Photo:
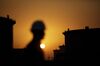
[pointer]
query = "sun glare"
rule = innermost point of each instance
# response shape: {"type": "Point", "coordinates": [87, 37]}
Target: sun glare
{"type": "Point", "coordinates": [42, 46]}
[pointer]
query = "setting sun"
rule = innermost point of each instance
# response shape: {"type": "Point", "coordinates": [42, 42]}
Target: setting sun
{"type": "Point", "coordinates": [42, 46]}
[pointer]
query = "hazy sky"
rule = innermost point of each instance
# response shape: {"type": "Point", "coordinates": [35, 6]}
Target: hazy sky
{"type": "Point", "coordinates": [58, 15]}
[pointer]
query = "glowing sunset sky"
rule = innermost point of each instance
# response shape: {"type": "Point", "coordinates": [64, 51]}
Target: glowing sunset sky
{"type": "Point", "coordinates": [58, 15]}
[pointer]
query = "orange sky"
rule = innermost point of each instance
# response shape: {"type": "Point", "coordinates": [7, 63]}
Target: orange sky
{"type": "Point", "coordinates": [58, 15]}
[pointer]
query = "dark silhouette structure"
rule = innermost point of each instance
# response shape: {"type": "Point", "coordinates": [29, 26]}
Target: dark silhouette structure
{"type": "Point", "coordinates": [81, 47]}
{"type": "Point", "coordinates": [33, 52]}
{"type": "Point", "coordinates": [6, 37]}
{"type": "Point", "coordinates": [6, 33]}
{"type": "Point", "coordinates": [59, 55]}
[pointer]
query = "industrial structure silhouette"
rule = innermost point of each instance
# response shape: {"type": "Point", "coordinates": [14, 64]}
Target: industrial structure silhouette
{"type": "Point", "coordinates": [6, 38]}
{"type": "Point", "coordinates": [82, 46]}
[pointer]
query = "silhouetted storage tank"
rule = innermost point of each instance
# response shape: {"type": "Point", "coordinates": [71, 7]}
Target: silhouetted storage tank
{"type": "Point", "coordinates": [6, 33]}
